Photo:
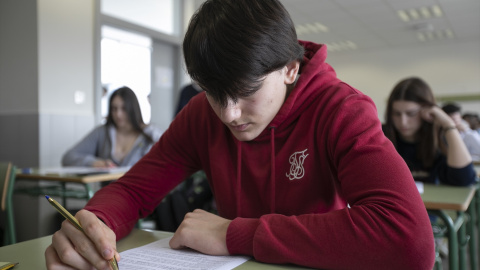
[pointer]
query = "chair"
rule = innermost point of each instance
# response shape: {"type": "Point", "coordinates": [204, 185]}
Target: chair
{"type": "Point", "coordinates": [7, 181]}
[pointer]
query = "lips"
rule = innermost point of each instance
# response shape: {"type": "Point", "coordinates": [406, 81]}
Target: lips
{"type": "Point", "coordinates": [239, 127]}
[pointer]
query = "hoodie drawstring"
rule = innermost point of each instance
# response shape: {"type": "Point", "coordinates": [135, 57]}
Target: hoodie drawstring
{"type": "Point", "coordinates": [272, 174]}
{"type": "Point", "coordinates": [239, 177]}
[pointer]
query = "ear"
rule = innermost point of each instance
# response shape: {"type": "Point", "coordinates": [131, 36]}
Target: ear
{"type": "Point", "coordinates": [291, 71]}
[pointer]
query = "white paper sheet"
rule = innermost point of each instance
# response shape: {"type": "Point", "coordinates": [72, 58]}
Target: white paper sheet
{"type": "Point", "coordinates": [158, 255]}
{"type": "Point", "coordinates": [419, 186]}
{"type": "Point", "coordinates": [82, 170]}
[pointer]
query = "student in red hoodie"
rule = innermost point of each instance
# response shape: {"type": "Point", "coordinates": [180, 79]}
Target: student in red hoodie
{"type": "Point", "coordinates": [297, 160]}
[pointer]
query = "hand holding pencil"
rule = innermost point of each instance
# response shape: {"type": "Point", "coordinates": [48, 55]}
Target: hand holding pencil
{"type": "Point", "coordinates": [68, 238]}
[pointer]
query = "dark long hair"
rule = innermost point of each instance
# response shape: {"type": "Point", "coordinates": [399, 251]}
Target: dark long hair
{"type": "Point", "coordinates": [231, 45]}
{"type": "Point", "coordinates": [418, 91]}
{"type": "Point", "coordinates": [132, 107]}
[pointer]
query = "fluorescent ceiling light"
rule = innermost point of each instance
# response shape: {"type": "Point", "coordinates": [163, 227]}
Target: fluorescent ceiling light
{"type": "Point", "coordinates": [425, 12]}
{"type": "Point", "coordinates": [435, 35]}
{"type": "Point", "coordinates": [301, 29]}
{"type": "Point", "coordinates": [414, 14]}
{"type": "Point", "coordinates": [403, 16]}
{"type": "Point", "coordinates": [437, 11]}
{"type": "Point", "coordinates": [321, 27]}
{"type": "Point", "coordinates": [341, 46]}
{"type": "Point", "coordinates": [311, 27]}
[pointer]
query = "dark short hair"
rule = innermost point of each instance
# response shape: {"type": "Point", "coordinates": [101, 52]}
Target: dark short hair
{"type": "Point", "coordinates": [415, 90]}
{"type": "Point", "coordinates": [450, 108]}
{"type": "Point", "coordinates": [231, 45]}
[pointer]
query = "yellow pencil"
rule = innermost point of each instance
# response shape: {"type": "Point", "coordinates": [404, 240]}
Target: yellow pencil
{"type": "Point", "coordinates": [74, 221]}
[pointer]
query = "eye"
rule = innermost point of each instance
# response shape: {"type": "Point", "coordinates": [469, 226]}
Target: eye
{"type": "Point", "coordinates": [413, 113]}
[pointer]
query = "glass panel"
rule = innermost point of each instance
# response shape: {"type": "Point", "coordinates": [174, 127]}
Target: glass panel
{"type": "Point", "coordinates": [158, 15]}
{"type": "Point", "coordinates": [126, 61]}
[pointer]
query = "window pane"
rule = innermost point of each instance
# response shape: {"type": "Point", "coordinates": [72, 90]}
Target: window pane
{"type": "Point", "coordinates": [158, 15]}
{"type": "Point", "coordinates": [126, 61]}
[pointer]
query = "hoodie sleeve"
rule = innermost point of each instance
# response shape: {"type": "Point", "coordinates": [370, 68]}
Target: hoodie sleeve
{"type": "Point", "coordinates": [385, 226]}
{"type": "Point", "coordinates": [143, 187]}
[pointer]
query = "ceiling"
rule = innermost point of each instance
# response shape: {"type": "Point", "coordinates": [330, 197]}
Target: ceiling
{"type": "Point", "coordinates": [356, 25]}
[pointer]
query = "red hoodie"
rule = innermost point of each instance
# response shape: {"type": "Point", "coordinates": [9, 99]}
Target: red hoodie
{"type": "Point", "coordinates": [320, 187]}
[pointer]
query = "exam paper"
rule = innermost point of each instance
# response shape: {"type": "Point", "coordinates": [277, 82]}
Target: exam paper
{"type": "Point", "coordinates": [159, 255]}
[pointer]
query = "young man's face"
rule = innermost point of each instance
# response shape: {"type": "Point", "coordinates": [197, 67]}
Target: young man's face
{"type": "Point", "coordinates": [247, 118]}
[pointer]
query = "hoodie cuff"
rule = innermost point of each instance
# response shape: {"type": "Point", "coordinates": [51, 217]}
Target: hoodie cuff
{"type": "Point", "coordinates": [240, 235]}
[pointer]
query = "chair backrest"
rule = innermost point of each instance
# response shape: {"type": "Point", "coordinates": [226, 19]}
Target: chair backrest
{"type": "Point", "coordinates": [6, 176]}
{"type": "Point", "coordinates": [7, 182]}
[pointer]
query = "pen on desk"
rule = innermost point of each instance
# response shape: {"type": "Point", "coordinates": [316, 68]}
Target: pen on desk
{"type": "Point", "coordinates": [74, 221]}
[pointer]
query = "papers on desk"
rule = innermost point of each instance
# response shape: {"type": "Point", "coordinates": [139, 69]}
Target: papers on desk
{"type": "Point", "coordinates": [82, 170]}
{"type": "Point", "coordinates": [159, 255]}
{"type": "Point", "coordinates": [419, 186]}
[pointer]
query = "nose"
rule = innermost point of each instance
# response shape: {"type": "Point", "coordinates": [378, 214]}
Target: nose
{"type": "Point", "coordinates": [231, 113]}
{"type": "Point", "coordinates": [403, 119]}
{"type": "Point", "coordinates": [117, 113]}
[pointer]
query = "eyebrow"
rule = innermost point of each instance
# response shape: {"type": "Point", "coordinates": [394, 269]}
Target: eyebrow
{"type": "Point", "coordinates": [407, 111]}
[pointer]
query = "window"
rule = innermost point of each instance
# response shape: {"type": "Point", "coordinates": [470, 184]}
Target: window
{"type": "Point", "coordinates": [126, 61]}
{"type": "Point", "coordinates": [157, 15]}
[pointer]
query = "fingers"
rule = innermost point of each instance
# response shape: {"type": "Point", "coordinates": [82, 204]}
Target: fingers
{"type": "Point", "coordinates": [103, 237]}
{"type": "Point", "coordinates": [82, 250]}
{"type": "Point", "coordinates": [52, 260]}
{"type": "Point", "coordinates": [436, 116]}
{"type": "Point", "coordinates": [110, 164]}
{"type": "Point", "coordinates": [202, 231]}
{"type": "Point", "coordinates": [63, 253]}
{"type": "Point", "coordinates": [104, 163]}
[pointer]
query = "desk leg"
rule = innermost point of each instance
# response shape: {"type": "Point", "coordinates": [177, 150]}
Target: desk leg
{"type": "Point", "coordinates": [462, 242]}
{"type": "Point", "coordinates": [452, 236]}
{"type": "Point", "coordinates": [89, 191]}
{"type": "Point", "coordinates": [472, 220]}
{"type": "Point", "coordinates": [64, 197]}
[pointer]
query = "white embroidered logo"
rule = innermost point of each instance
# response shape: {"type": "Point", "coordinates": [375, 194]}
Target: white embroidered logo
{"type": "Point", "coordinates": [296, 169]}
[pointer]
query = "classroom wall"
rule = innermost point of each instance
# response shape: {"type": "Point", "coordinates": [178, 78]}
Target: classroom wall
{"type": "Point", "coordinates": [448, 68]}
{"type": "Point", "coordinates": [18, 78]}
{"type": "Point", "coordinates": [66, 89]}
{"type": "Point", "coordinates": [46, 52]}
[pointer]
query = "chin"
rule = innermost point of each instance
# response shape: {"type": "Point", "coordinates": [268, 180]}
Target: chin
{"type": "Point", "coordinates": [244, 136]}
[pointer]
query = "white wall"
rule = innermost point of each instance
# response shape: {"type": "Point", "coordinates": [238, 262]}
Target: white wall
{"type": "Point", "coordinates": [448, 69]}
{"type": "Point", "coordinates": [66, 68]}
{"type": "Point", "coordinates": [65, 53]}
{"type": "Point", "coordinates": [46, 54]}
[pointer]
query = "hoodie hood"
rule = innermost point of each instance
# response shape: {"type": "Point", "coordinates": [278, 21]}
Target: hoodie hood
{"type": "Point", "coordinates": [306, 87]}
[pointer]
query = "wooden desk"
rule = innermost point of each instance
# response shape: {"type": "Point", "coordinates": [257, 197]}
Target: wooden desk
{"type": "Point", "coordinates": [62, 176]}
{"type": "Point", "coordinates": [30, 254]}
{"type": "Point", "coordinates": [441, 198]}
{"type": "Point", "coordinates": [73, 174]}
